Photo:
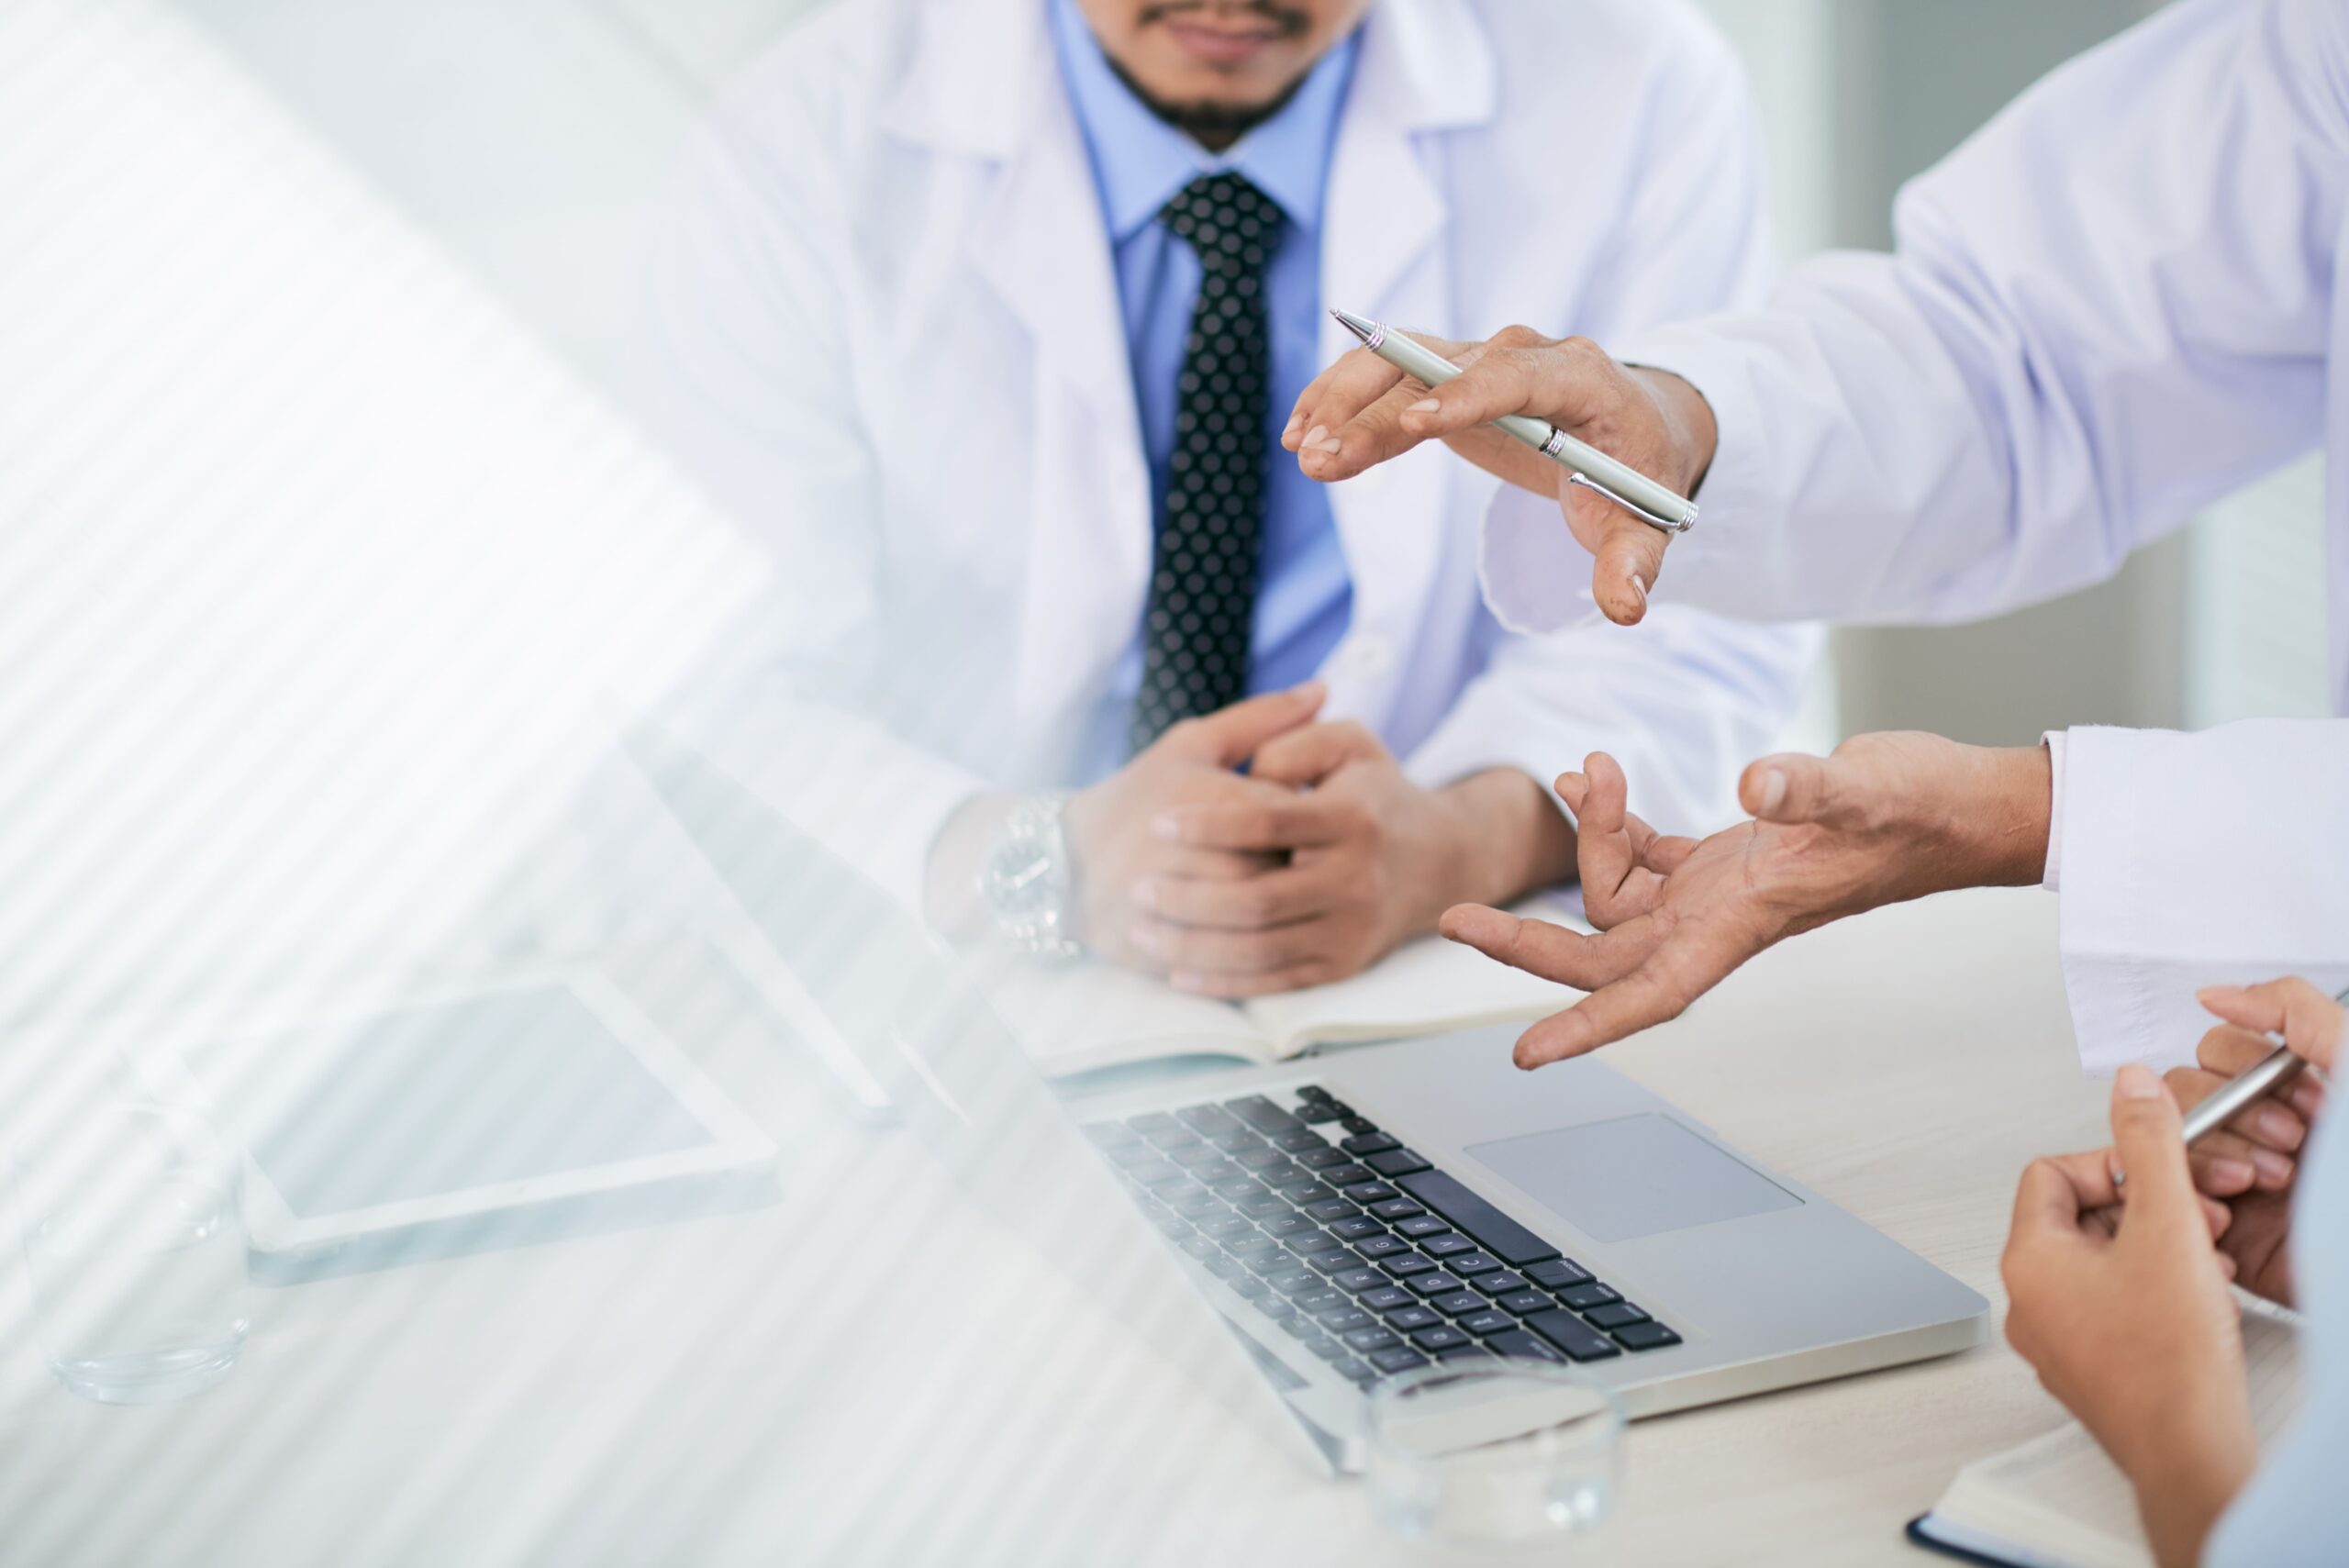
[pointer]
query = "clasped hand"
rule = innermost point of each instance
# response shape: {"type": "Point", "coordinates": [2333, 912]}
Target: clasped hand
{"type": "Point", "coordinates": [1307, 868]}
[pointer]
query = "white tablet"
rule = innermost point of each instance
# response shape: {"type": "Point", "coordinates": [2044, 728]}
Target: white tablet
{"type": "Point", "coordinates": [394, 1129]}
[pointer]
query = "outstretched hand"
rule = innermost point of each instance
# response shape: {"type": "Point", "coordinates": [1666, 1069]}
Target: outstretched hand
{"type": "Point", "coordinates": [1887, 818]}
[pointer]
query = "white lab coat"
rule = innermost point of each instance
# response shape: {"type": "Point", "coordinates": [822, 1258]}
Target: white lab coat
{"type": "Point", "coordinates": [891, 338]}
{"type": "Point", "coordinates": [2111, 308]}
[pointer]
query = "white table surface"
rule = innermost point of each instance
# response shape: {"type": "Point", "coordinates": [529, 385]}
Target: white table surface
{"type": "Point", "coordinates": [883, 1377]}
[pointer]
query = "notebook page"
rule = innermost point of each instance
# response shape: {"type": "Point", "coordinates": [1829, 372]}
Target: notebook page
{"type": "Point", "coordinates": [1078, 1017]}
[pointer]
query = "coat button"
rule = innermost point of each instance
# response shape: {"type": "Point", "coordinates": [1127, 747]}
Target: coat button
{"type": "Point", "coordinates": [1366, 656]}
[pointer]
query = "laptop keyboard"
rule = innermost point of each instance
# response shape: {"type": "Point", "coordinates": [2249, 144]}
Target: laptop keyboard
{"type": "Point", "coordinates": [1368, 1255]}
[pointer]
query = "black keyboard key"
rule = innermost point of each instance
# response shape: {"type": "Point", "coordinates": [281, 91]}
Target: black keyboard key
{"type": "Point", "coordinates": [1334, 1259]}
{"type": "Point", "coordinates": [1189, 1143]}
{"type": "Point", "coordinates": [1583, 1297]}
{"type": "Point", "coordinates": [1238, 1141]}
{"type": "Point", "coordinates": [1238, 1189]}
{"type": "Point", "coordinates": [1225, 1225]}
{"type": "Point", "coordinates": [1262, 1115]}
{"type": "Point", "coordinates": [1404, 1265]}
{"type": "Point", "coordinates": [1345, 1319]}
{"type": "Point", "coordinates": [1377, 1246]}
{"type": "Point", "coordinates": [1421, 1225]}
{"type": "Point", "coordinates": [1263, 1206]}
{"type": "Point", "coordinates": [1197, 1205]}
{"type": "Point", "coordinates": [1112, 1135]}
{"type": "Point", "coordinates": [1571, 1334]}
{"type": "Point", "coordinates": [1358, 1279]}
{"type": "Point", "coordinates": [1226, 1268]}
{"type": "Point", "coordinates": [1251, 1287]}
{"type": "Point", "coordinates": [1303, 1191]}
{"type": "Point", "coordinates": [1196, 1155]}
{"type": "Point", "coordinates": [1371, 1192]}
{"type": "Point", "coordinates": [1645, 1337]}
{"type": "Point", "coordinates": [1357, 1125]}
{"type": "Point", "coordinates": [1288, 1224]}
{"type": "Point", "coordinates": [1312, 1091]}
{"type": "Point", "coordinates": [1157, 1173]}
{"type": "Point", "coordinates": [1200, 1248]}
{"type": "Point", "coordinates": [1436, 1284]}
{"type": "Point", "coordinates": [1371, 1338]}
{"type": "Point", "coordinates": [1442, 1337]}
{"type": "Point", "coordinates": [1504, 1237]}
{"type": "Point", "coordinates": [1304, 1141]}
{"type": "Point", "coordinates": [1384, 1298]}
{"type": "Point", "coordinates": [1465, 1353]}
{"type": "Point", "coordinates": [1474, 1264]}
{"type": "Point", "coordinates": [1396, 1208]}
{"type": "Point", "coordinates": [1208, 1121]}
{"type": "Point", "coordinates": [1318, 1111]}
{"type": "Point", "coordinates": [1444, 1246]}
{"type": "Point", "coordinates": [1491, 1320]}
{"type": "Point", "coordinates": [1173, 1227]}
{"type": "Point", "coordinates": [1347, 1175]}
{"type": "Point", "coordinates": [1360, 1228]}
{"type": "Point", "coordinates": [1501, 1283]}
{"type": "Point", "coordinates": [1247, 1248]}
{"type": "Point", "coordinates": [1614, 1314]}
{"type": "Point", "coordinates": [1558, 1274]}
{"type": "Point", "coordinates": [1156, 1125]}
{"type": "Point", "coordinates": [1319, 1159]}
{"type": "Point", "coordinates": [1413, 1317]}
{"type": "Point", "coordinates": [1296, 1281]}
{"type": "Point", "coordinates": [1263, 1157]}
{"type": "Point", "coordinates": [1459, 1303]}
{"type": "Point", "coordinates": [1399, 1162]}
{"type": "Point", "coordinates": [1365, 1143]}
{"type": "Point", "coordinates": [1527, 1301]}
{"type": "Point", "coordinates": [1523, 1346]}
{"type": "Point", "coordinates": [1318, 1242]}
{"type": "Point", "coordinates": [1216, 1172]}
{"type": "Point", "coordinates": [1329, 1209]}
{"type": "Point", "coordinates": [1399, 1359]}
{"type": "Point", "coordinates": [1276, 1308]}
{"type": "Point", "coordinates": [1328, 1349]}
{"type": "Point", "coordinates": [1319, 1301]}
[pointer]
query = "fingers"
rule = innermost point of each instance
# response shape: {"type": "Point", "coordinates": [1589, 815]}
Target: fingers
{"type": "Point", "coordinates": [1304, 757]}
{"type": "Point", "coordinates": [1255, 904]}
{"type": "Point", "coordinates": [1569, 382]}
{"type": "Point", "coordinates": [2055, 1192]}
{"type": "Point", "coordinates": [1263, 824]}
{"type": "Point", "coordinates": [1551, 951]}
{"type": "Point", "coordinates": [2309, 1021]}
{"type": "Point", "coordinates": [2148, 1140]}
{"type": "Point", "coordinates": [1188, 951]}
{"type": "Point", "coordinates": [1330, 401]}
{"type": "Point", "coordinates": [1658, 990]}
{"type": "Point", "coordinates": [1230, 736]}
{"type": "Point", "coordinates": [1627, 553]}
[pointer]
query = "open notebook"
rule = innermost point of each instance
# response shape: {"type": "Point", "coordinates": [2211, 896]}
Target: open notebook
{"type": "Point", "coordinates": [1092, 1015]}
{"type": "Point", "coordinates": [2057, 1502]}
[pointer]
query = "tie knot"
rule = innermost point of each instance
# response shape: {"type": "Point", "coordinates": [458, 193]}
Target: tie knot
{"type": "Point", "coordinates": [1228, 222]}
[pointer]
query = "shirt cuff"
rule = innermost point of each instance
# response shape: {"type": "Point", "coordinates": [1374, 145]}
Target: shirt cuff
{"type": "Point", "coordinates": [2052, 877]}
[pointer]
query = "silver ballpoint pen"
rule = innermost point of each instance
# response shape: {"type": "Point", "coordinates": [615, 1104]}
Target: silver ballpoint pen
{"type": "Point", "coordinates": [1585, 464]}
{"type": "Point", "coordinates": [2262, 1077]}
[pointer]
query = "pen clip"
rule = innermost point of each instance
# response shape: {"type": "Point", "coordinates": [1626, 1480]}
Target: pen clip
{"type": "Point", "coordinates": [1669, 525]}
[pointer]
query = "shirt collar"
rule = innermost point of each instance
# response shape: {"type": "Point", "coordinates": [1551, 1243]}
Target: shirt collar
{"type": "Point", "coordinates": [1141, 163]}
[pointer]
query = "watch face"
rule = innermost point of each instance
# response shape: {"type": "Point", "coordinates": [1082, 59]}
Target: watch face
{"type": "Point", "coordinates": [1024, 882]}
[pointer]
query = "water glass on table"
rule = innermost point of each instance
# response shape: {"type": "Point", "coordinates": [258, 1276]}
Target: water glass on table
{"type": "Point", "coordinates": [132, 1220]}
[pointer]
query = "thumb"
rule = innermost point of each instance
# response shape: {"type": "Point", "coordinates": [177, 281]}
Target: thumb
{"type": "Point", "coordinates": [1791, 788]}
{"type": "Point", "coordinates": [1230, 736]}
{"type": "Point", "coordinates": [2149, 1140]}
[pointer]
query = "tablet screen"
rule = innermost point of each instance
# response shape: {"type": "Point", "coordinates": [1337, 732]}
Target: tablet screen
{"type": "Point", "coordinates": [441, 1097]}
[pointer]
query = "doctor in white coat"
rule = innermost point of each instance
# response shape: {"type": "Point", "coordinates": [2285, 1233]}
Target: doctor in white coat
{"type": "Point", "coordinates": [2114, 304]}
{"type": "Point", "coordinates": [918, 325]}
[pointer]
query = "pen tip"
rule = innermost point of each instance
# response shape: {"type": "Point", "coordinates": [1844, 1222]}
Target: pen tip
{"type": "Point", "coordinates": [1354, 324]}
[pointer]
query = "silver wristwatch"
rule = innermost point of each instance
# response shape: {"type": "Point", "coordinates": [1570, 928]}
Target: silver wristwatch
{"type": "Point", "coordinates": [1029, 882]}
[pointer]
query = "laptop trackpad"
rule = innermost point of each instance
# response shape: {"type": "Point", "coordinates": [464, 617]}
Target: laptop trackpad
{"type": "Point", "coordinates": [1615, 1181]}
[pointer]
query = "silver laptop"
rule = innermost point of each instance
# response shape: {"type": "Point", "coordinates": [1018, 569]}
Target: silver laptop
{"type": "Point", "coordinates": [1350, 1218]}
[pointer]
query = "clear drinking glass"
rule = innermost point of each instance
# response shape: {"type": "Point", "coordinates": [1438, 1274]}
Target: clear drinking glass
{"type": "Point", "coordinates": [134, 1236]}
{"type": "Point", "coordinates": [1510, 1456]}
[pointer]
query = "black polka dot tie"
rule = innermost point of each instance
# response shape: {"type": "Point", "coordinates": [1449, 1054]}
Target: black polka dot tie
{"type": "Point", "coordinates": [1203, 589]}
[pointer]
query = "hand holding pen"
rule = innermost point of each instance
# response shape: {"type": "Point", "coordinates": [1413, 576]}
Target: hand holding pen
{"type": "Point", "coordinates": [1364, 410]}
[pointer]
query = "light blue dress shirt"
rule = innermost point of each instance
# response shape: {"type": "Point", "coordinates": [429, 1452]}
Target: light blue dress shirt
{"type": "Point", "coordinates": [1304, 594]}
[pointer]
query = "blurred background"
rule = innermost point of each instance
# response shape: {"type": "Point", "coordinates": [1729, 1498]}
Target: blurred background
{"type": "Point", "coordinates": [528, 134]}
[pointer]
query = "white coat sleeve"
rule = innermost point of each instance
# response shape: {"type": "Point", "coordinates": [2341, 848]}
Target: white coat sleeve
{"type": "Point", "coordinates": [1687, 699]}
{"type": "Point", "coordinates": [746, 382]}
{"type": "Point", "coordinates": [2219, 858]}
{"type": "Point", "coordinates": [2106, 310]}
